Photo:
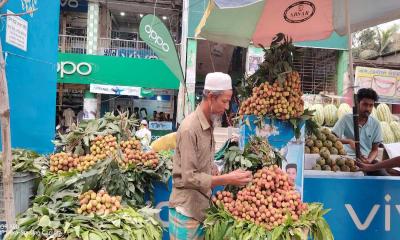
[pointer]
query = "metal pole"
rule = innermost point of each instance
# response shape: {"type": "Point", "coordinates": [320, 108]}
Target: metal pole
{"type": "Point", "coordinates": [351, 79]}
{"type": "Point", "coordinates": [182, 97]}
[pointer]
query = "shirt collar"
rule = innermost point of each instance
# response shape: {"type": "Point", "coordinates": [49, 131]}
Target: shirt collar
{"type": "Point", "coordinates": [202, 118]}
{"type": "Point", "coordinates": [368, 122]}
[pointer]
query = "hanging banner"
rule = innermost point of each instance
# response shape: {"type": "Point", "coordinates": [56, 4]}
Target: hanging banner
{"type": "Point", "coordinates": [281, 136]}
{"type": "Point", "coordinates": [255, 56]}
{"type": "Point", "coordinates": [385, 82]}
{"type": "Point", "coordinates": [153, 31]}
{"type": "Point", "coordinates": [128, 53]}
{"type": "Point", "coordinates": [191, 74]}
{"type": "Point", "coordinates": [17, 31]}
{"type": "Point", "coordinates": [115, 90]}
{"type": "Point", "coordinates": [89, 108]}
{"type": "Point", "coordinates": [162, 126]}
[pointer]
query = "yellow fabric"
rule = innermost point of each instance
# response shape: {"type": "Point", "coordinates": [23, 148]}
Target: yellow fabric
{"type": "Point", "coordinates": [203, 21]}
{"type": "Point", "coordinates": [165, 143]}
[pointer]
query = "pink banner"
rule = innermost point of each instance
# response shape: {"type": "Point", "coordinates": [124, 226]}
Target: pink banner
{"type": "Point", "coordinates": [301, 20]}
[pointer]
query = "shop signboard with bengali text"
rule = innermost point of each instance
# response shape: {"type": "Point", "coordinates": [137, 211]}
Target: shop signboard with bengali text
{"type": "Point", "coordinates": [115, 90]}
{"type": "Point", "coordinates": [385, 82]}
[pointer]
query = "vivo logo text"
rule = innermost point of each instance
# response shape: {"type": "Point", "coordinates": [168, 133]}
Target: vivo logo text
{"type": "Point", "coordinates": [69, 3]}
{"type": "Point", "coordinates": [157, 39]}
{"type": "Point", "coordinates": [362, 226]}
{"type": "Point", "coordinates": [69, 68]}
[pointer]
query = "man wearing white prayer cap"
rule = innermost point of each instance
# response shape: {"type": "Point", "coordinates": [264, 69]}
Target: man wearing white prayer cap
{"type": "Point", "coordinates": [194, 172]}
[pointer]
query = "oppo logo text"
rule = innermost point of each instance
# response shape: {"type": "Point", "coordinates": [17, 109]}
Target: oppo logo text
{"type": "Point", "coordinates": [157, 39]}
{"type": "Point", "coordinates": [69, 68]}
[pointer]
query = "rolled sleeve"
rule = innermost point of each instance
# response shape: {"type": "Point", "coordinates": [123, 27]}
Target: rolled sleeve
{"type": "Point", "coordinates": [192, 177]}
{"type": "Point", "coordinates": [378, 134]}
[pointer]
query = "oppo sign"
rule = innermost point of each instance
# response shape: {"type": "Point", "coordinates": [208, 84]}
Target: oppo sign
{"type": "Point", "coordinates": [70, 68]}
{"type": "Point", "coordinates": [157, 39]}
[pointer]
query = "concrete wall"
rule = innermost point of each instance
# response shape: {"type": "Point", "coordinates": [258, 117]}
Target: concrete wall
{"type": "Point", "coordinates": [395, 58]}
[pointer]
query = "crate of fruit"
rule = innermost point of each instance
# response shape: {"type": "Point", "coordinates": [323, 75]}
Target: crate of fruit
{"type": "Point", "coordinates": [326, 164]}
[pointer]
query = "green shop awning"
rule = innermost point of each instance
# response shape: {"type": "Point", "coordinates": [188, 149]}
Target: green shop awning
{"type": "Point", "coordinates": [87, 69]}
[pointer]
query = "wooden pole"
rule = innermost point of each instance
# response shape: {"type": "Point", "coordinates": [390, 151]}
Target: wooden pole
{"type": "Point", "coordinates": [351, 79]}
{"type": "Point", "coordinates": [60, 95]}
{"type": "Point", "coordinates": [98, 98]}
{"type": "Point", "coordinates": [6, 147]}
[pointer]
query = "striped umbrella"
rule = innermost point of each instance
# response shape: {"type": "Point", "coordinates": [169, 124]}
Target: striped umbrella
{"type": "Point", "coordinates": [242, 22]}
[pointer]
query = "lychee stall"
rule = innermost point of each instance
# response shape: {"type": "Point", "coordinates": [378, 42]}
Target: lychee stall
{"type": "Point", "coordinates": [325, 173]}
{"type": "Point", "coordinates": [272, 128]}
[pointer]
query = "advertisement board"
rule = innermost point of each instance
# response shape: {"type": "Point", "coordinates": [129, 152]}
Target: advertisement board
{"type": "Point", "coordinates": [30, 46]}
{"type": "Point", "coordinates": [255, 56]}
{"type": "Point", "coordinates": [365, 208]}
{"type": "Point", "coordinates": [119, 71]}
{"type": "Point", "coordinates": [385, 82]}
{"type": "Point", "coordinates": [128, 53]}
{"type": "Point", "coordinates": [115, 90]}
{"type": "Point", "coordinates": [280, 135]}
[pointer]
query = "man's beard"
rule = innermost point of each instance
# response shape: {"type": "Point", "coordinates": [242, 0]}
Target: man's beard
{"type": "Point", "coordinates": [216, 120]}
{"type": "Point", "coordinates": [365, 114]}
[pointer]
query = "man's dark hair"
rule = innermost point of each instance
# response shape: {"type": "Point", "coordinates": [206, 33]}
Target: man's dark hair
{"type": "Point", "coordinates": [368, 93]}
{"type": "Point", "coordinates": [291, 165]}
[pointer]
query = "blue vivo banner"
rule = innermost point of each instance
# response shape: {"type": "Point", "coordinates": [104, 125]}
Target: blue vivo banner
{"type": "Point", "coordinates": [366, 208]}
{"type": "Point", "coordinates": [161, 198]}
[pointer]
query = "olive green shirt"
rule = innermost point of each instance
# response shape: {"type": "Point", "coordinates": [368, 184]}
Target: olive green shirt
{"type": "Point", "coordinates": [192, 164]}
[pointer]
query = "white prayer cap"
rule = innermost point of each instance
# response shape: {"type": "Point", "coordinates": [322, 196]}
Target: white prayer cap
{"type": "Point", "coordinates": [143, 122]}
{"type": "Point", "coordinates": [218, 81]}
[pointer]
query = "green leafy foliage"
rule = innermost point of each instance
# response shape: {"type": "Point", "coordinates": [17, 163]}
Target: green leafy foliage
{"type": "Point", "coordinates": [78, 139]}
{"type": "Point", "coordinates": [222, 225]}
{"type": "Point", "coordinates": [257, 154]}
{"type": "Point", "coordinates": [305, 118]}
{"type": "Point", "coordinates": [55, 218]}
{"type": "Point", "coordinates": [275, 77]}
{"type": "Point", "coordinates": [27, 161]}
{"type": "Point", "coordinates": [311, 127]}
{"type": "Point", "coordinates": [53, 212]}
{"type": "Point", "coordinates": [132, 183]}
{"type": "Point", "coordinates": [278, 61]}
